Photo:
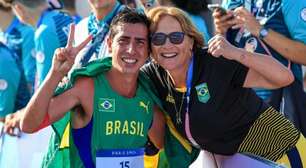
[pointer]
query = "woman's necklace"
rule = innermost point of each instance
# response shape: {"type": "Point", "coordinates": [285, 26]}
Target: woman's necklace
{"type": "Point", "coordinates": [178, 113]}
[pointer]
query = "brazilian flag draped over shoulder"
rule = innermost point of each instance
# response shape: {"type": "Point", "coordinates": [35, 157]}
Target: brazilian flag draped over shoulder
{"type": "Point", "coordinates": [177, 153]}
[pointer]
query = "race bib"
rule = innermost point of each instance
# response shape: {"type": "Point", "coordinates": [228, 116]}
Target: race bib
{"type": "Point", "coordinates": [120, 158]}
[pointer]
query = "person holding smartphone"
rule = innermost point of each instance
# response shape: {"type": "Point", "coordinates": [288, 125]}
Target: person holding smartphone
{"type": "Point", "coordinates": [281, 29]}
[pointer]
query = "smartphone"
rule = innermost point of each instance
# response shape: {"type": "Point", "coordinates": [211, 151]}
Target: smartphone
{"type": "Point", "coordinates": [213, 7]}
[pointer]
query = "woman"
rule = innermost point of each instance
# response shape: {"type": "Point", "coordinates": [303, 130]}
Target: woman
{"type": "Point", "coordinates": [207, 94]}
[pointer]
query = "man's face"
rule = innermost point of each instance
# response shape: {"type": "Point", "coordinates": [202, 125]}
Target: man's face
{"type": "Point", "coordinates": [129, 47]}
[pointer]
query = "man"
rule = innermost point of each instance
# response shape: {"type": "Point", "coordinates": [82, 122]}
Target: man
{"type": "Point", "coordinates": [20, 39]}
{"type": "Point", "coordinates": [51, 28]}
{"type": "Point", "coordinates": [97, 24]}
{"type": "Point", "coordinates": [105, 111]}
{"type": "Point", "coordinates": [9, 80]}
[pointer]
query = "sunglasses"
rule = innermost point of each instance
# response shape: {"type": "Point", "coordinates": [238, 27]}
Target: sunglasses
{"type": "Point", "coordinates": [174, 37]}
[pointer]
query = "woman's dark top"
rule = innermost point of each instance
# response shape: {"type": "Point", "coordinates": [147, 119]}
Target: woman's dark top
{"type": "Point", "coordinates": [220, 118]}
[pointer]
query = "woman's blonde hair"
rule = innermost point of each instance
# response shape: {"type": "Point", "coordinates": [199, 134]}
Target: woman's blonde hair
{"type": "Point", "coordinates": [188, 27]}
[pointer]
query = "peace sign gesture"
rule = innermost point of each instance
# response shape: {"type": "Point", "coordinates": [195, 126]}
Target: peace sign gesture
{"type": "Point", "coordinates": [64, 57]}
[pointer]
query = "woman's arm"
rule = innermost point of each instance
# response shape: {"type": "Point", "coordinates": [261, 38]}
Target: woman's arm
{"type": "Point", "coordinates": [264, 71]}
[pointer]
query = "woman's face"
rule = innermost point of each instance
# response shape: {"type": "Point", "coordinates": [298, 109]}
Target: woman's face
{"type": "Point", "coordinates": [172, 54]}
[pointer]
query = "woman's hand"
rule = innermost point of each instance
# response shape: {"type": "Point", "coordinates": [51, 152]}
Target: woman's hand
{"type": "Point", "coordinates": [219, 46]}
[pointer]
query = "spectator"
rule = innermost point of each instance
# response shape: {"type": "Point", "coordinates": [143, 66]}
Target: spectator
{"type": "Point", "coordinates": [51, 28]}
{"type": "Point", "coordinates": [69, 5]}
{"type": "Point", "coordinates": [279, 24]}
{"type": "Point", "coordinates": [9, 81]}
{"type": "Point", "coordinates": [97, 24]}
{"type": "Point", "coordinates": [95, 95]}
{"type": "Point", "coordinates": [20, 39]}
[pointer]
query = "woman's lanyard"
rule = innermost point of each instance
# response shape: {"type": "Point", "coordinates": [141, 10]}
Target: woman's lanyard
{"type": "Point", "coordinates": [188, 93]}
{"type": "Point", "coordinates": [189, 83]}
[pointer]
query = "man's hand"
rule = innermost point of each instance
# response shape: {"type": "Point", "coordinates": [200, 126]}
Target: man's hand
{"type": "Point", "coordinates": [245, 19]}
{"type": "Point", "coordinates": [11, 125]}
{"type": "Point", "coordinates": [64, 57]}
{"type": "Point", "coordinates": [223, 22]}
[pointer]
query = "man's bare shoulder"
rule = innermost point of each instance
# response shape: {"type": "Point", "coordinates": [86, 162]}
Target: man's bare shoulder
{"type": "Point", "coordinates": [84, 83]}
{"type": "Point", "coordinates": [84, 92]}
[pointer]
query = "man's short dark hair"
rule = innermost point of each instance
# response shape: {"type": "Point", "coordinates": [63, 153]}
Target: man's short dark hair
{"type": "Point", "coordinates": [28, 3]}
{"type": "Point", "coordinates": [128, 15]}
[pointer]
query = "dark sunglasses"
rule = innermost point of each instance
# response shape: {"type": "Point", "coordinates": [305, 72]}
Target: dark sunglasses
{"type": "Point", "coordinates": [174, 37]}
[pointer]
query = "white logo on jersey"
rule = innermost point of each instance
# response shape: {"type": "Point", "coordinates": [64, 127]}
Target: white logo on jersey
{"type": "Point", "coordinates": [3, 84]}
{"type": "Point", "coordinates": [40, 57]}
{"type": "Point", "coordinates": [251, 44]}
{"type": "Point", "coordinates": [303, 14]}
